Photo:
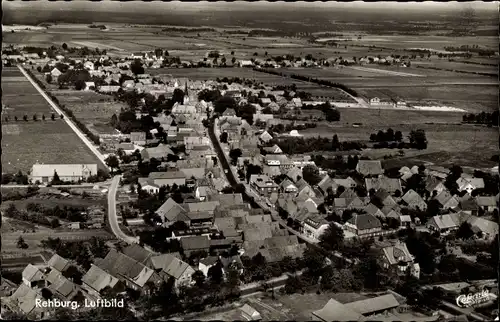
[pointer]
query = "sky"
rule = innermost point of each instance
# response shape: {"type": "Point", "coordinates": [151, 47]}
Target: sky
{"type": "Point", "coordinates": [110, 5]}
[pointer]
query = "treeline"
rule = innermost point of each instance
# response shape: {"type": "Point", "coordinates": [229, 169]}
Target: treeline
{"type": "Point", "coordinates": [102, 27]}
{"type": "Point", "coordinates": [291, 145]}
{"type": "Point", "coordinates": [176, 29]}
{"type": "Point", "coordinates": [280, 128]}
{"type": "Point", "coordinates": [271, 33]}
{"type": "Point", "coordinates": [471, 48]}
{"type": "Point", "coordinates": [73, 214]}
{"type": "Point", "coordinates": [310, 79]}
{"type": "Point", "coordinates": [81, 252]}
{"type": "Point", "coordinates": [490, 119]}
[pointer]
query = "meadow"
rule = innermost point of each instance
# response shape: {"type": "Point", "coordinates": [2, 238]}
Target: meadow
{"type": "Point", "coordinates": [27, 142]}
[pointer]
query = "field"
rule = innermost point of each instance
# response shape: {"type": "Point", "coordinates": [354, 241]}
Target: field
{"type": "Point", "coordinates": [27, 142]}
{"type": "Point", "coordinates": [458, 66]}
{"type": "Point", "coordinates": [91, 108]}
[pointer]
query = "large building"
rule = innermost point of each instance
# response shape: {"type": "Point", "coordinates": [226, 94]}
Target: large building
{"type": "Point", "coordinates": [44, 173]}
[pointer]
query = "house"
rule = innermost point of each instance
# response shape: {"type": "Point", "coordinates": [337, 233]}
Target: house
{"type": "Point", "coordinates": [263, 184]}
{"type": "Point", "coordinates": [33, 277]}
{"type": "Point", "coordinates": [265, 137]}
{"type": "Point", "coordinates": [487, 229]}
{"type": "Point", "coordinates": [275, 149]}
{"type": "Point", "coordinates": [385, 198]}
{"type": "Point", "coordinates": [195, 244]}
{"type": "Point", "coordinates": [314, 226]}
{"type": "Point", "coordinates": [274, 249]}
{"type": "Point", "coordinates": [60, 286]}
{"type": "Point", "coordinates": [364, 225]}
{"type": "Point", "coordinates": [170, 212]}
{"type": "Point", "coordinates": [249, 313]}
{"type": "Point", "coordinates": [44, 173]}
{"type": "Point", "coordinates": [148, 185]}
{"type": "Point", "coordinates": [373, 210]}
{"type": "Point", "coordinates": [369, 168]}
{"type": "Point", "coordinates": [206, 263]}
{"type": "Point", "coordinates": [55, 72]}
{"type": "Point", "coordinates": [229, 112]}
{"type": "Point", "coordinates": [168, 178]}
{"type": "Point", "coordinates": [374, 101]}
{"type": "Point", "coordinates": [108, 89]}
{"type": "Point", "coordinates": [160, 152]}
{"type": "Point", "coordinates": [487, 203]}
{"type": "Point", "coordinates": [468, 205]}
{"type": "Point", "coordinates": [446, 200]}
{"type": "Point", "coordinates": [432, 184]}
{"type": "Point", "coordinates": [469, 184]}
{"type": "Point", "coordinates": [89, 86]}
{"type": "Point", "coordinates": [388, 184]}
{"type": "Point", "coordinates": [443, 224]}
{"type": "Point", "coordinates": [414, 201]}
{"type": "Point", "coordinates": [396, 255]}
{"type": "Point", "coordinates": [336, 311]}
{"type": "Point", "coordinates": [96, 280]}
{"type": "Point", "coordinates": [170, 266]}
{"type": "Point", "coordinates": [288, 187]}
{"type": "Point", "coordinates": [129, 271]}
{"type": "Point", "coordinates": [202, 192]}
{"type": "Point", "coordinates": [245, 63]}
{"type": "Point", "coordinates": [294, 174]}
{"type": "Point", "coordinates": [138, 138]}
{"type": "Point", "coordinates": [23, 301]}
{"type": "Point", "coordinates": [376, 305]}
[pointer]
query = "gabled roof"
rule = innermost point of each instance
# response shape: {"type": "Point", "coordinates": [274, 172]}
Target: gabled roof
{"type": "Point", "coordinates": [388, 184]}
{"type": "Point", "coordinates": [171, 265]}
{"type": "Point", "coordinates": [488, 201]}
{"type": "Point", "coordinates": [444, 222]}
{"type": "Point", "coordinates": [365, 221]}
{"type": "Point", "coordinates": [336, 311]}
{"type": "Point", "coordinates": [205, 206]}
{"type": "Point", "coordinates": [59, 263]}
{"type": "Point", "coordinates": [24, 299]}
{"type": "Point", "coordinates": [32, 273]}
{"type": "Point", "coordinates": [167, 175]}
{"type": "Point", "coordinates": [348, 194]}
{"type": "Point", "coordinates": [137, 253]}
{"type": "Point", "coordinates": [98, 279]}
{"type": "Point", "coordinates": [325, 183]}
{"type": "Point", "coordinates": [293, 173]}
{"type": "Point", "coordinates": [373, 210]}
{"type": "Point", "coordinates": [372, 305]}
{"type": "Point", "coordinates": [369, 167]}
{"type": "Point", "coordinates": [195, 243]}
{"type": "Point", "coordinates": [394, 252]}
{"type": "Point", "coordinates": [414, 199]}
{"type": "Point", "coordinates": [443, 197]}
{"type": "Point", "coordinates": [172, 211]}
{"type": "Point", "coordinates": [60, 285]}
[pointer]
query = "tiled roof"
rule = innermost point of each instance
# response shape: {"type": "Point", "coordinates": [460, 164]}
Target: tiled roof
{"type": "Point", "coordinates": [195, 243]}
{"type": "Point", "coordinates": [172, 211]}
{"type": "Point", "coordinates": [369, 167]}
{"type": "Point", "coordinates": [98, 279]}
{"type": "Point", "coordinates": [365, 221]}
{"type": "Point", "coordinates": [59, 263]}
{"type": "Point", "coordinates": [377, 304]}
{"type": "Point", "coordinates": [120, 265]}
{"type": "Point", "coordinates": [388, 184]}
{"type": "Point", "coordinates": [336, 311]}
{"type": "Point", "coordinates": [171, 265]}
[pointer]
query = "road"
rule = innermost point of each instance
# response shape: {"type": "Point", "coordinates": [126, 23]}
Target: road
{"type": "Point", "coordinates": [75, 129]}
{"type": "Point", "coordinates": [112, 215]}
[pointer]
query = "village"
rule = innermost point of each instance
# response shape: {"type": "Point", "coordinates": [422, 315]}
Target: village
{"type": "Point", "coordinates": [155, 172]}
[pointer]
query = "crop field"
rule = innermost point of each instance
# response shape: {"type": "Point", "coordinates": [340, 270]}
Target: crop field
{"type": "Point", "coordinates": [458, 66]}
{"type": "Point", "coordinates": [27, 142]}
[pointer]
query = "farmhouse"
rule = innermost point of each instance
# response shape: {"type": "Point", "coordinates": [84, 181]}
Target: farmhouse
{"type": "Point", "coordinates": [44, 173]}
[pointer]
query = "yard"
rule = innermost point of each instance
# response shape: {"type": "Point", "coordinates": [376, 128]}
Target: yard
{"type": "Point", "coordinates": [27, 142]}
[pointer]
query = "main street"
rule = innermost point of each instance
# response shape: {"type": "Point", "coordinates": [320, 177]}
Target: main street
{"type": "Point", "coordinates": [112, 215]}
{"type": "Point", "coordinates": [75, 129]}
{"type": "Point", "coordinates": [231, 178]}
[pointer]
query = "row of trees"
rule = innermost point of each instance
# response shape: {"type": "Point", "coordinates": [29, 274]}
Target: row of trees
{"type": "Point", "coordinates": [34, 118]}
{"type": "Point", "coordinates": [311, 79]}
{"type": "Point", "coordinates": [290, 145]}
{"type": "Point", "coordinates": [81, 252]}
{"type": "Point", "coordinates": [490, 119]}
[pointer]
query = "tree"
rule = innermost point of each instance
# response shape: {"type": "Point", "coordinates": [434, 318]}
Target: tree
{"type": "Point", "coordinates": [112, 162]}
{"type": "Point", "coordinates": [35, 117]}
{"type": "Point", "coordinates": [223, 103]}
{"type": "Point", "coordinates": [223, 60]}
{"type": "Point", "coordinates": [21, 243]}
{"type": "Point", "coordinates": [48, 78]}
{"type": "Point", "coordinates": [114, 121]}
{"type": "Point", "coordinates": [418, 139]}
{"type": "Point", "coordinates": [335, 143]}
{"type": "Point", "coordinates": [332, 238]}
{"type": "Point", "coordinates": [61, 116]}
{"type": "Point", "coordinates": [223, 137]}
{"type": "Point", "coordinates": [64, 46]}
{"type": "Point", "coordinates": [215, 273]}
{"type": "Point", "coordinates": [310, 173]}
{"type": "Point", "coordinates": [80, 84]}
{"type": "Point", "coordinates": [465, 231]}
{"type": "Point", "coordinates": [56, 177]}
{"type": "Point", "coordinates": [233, 60]}
{"type": "Point", "coordinates": [25, 118]}
{"type": "Point", "coordinates": [234, 154]}
{"type": "Point", "coordinates": [199, 278]}
{"type": "Point", "coordinates": [158, 52]}
{"type": "Point", "coordinates": [15, 118]}
{"type": "Point", "coordinates": [136, 67]}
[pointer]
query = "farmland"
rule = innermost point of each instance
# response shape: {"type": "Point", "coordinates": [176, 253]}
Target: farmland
{"type": "Point", "coordinates": [27, 142]}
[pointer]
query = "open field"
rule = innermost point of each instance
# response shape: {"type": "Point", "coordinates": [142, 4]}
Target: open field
{"type": "Point", "coordinates": [27, 142]}
{"type": "Point", "coordinates": [9, 240]}
{"type": "Point", "coordinates": [458, 66]}
{"type": "Point", "coordinates": [90, 107]}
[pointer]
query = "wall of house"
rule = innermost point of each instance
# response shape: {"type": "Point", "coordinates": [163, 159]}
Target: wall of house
{"type": "Point", "coordinates": [170, 182]}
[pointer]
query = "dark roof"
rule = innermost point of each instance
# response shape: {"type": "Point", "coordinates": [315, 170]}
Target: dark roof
{"type": "Point", "coordinates": [365, 221]}
{"type": "Point", "coordinates": [137, 253]}
{"type": "Point", "coordinates": [195, 243]}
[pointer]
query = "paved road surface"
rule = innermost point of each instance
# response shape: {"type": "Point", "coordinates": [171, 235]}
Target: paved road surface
{"type": "Point", "coordinates": [82, 136]}
{"type": "Point", "coordinates": [112, 215]}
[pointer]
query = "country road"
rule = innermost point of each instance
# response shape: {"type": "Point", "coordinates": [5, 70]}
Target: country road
{"type": "Point", "coordinates": [112, 215]}
{"type": "Point", "coordinates": [79, 133]}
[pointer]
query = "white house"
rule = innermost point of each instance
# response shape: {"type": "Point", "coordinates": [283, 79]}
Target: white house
{"type": "Point", "coordinates": [314, 227]}
{"type": "Point", "coordinates": [205, 264]}
{"type": "Point", "coordinates": [55, 72]}
{"type": "Point", "coordinates": [470, 184]}
{"type": "Point", "coordinates": [148, 186]}
{"type": "Point", "coordinates": [89, 86]}
{"type": "Point", "coordinates": [44, 173]}
{"type": "Point", "coordinates": [89, 65]}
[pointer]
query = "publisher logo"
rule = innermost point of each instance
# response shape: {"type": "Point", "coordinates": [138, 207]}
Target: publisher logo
{"type": "Point", "coordinates": [468, 300]}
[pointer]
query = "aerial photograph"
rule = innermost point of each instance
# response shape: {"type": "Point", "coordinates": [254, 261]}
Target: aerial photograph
{"type": "Point", "coordinates": [250, 161]}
